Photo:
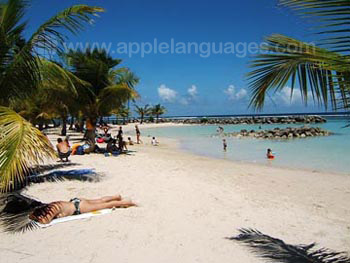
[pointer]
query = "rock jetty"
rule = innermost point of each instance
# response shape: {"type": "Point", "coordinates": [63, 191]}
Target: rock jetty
{"type": "Point", "coordinates": [250, 120]}
{"type": "Point", "coordinates": [277, 133]}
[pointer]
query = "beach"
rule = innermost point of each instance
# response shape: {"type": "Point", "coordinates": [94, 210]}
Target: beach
{"type": "Point", "coordinates": [187, 206]}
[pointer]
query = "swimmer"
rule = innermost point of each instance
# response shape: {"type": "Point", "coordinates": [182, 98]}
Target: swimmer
{"type": "Point", "coordinates": [224, 144]}
{"type": "Point", "coordinates": [269, 154]}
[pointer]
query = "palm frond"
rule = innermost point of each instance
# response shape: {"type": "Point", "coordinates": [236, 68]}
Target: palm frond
{"type": "Point", "coordinates": [113, 97]}
{"type": "Point", "coordinates": [71, 19]}
{"type": "Point", "coordinates": [19, 67]}
{"type": "Point", "coordinates": [21, 146]}
{"type": "Point", "coordinates": [273, 249]}
{"type": "Point", "coordinates": [56, 77]}
{"type": "Point", "coordinates": [331, 14]}
{"type": "Point", "coordinates": [290, 61]}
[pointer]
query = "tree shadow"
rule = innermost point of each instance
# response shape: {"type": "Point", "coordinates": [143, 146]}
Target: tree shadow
{"type": "Point", "coordinates": [275, 250]}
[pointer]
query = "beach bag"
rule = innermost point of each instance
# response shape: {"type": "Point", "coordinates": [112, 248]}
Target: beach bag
{"type": "Point", "coordinates": [80, 151]}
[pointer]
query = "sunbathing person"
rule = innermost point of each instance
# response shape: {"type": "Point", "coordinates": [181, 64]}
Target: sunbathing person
{"type": "Point", "coordinates": [63, 149]}
{"type": "Point", "coordinates": [46, 213]}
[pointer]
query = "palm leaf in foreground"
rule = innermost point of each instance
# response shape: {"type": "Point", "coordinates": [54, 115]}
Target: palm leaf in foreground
{"type": "Point", "coordinates": [21, 147]}
{"type": "Point", "coordinates": [318, 71]}
{"type": "Point", "coordinates": [276, 250]}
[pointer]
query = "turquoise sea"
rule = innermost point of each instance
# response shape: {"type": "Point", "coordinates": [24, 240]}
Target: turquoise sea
{"type": "Point", "coordinates": [327, 154]}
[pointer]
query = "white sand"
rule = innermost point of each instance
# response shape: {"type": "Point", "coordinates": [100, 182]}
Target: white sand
{"type": "Point", "coordinates": [188, 205]}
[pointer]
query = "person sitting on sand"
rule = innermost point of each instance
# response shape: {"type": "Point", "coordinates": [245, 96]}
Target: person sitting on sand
{"type": "Point", "coordinates": [112, 146]}
{"type": "Point", "coordinates": [63, 149]}
{"type": "Point", "coordinates": [269, 154]}
{"type": "Point", "coordinates": [130, 141]}
{"type": "Point", "coordinates": [76, 206]}
{"type": "Point", "coordinates": [154, 142]}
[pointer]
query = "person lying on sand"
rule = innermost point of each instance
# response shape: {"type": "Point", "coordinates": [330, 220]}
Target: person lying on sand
{"type": "Point", "coordinates": [46, 213]}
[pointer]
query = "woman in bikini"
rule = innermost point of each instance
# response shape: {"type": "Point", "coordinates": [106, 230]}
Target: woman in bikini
{"type": "Point", "coordinates": [46, 213]}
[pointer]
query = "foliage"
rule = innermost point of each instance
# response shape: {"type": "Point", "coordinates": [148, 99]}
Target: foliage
{"type": "Point", "coordinates": [22, 73]}
{"type": "Point", "coordinates": [109, 89]}
{"type": "Point", "coordinates": [21, 68]}
{"type": "Point", "coordinates": [143, 111]}
{"type": "Point", "coordinates": [158, 110]}
{"type": "Point", "coordinates": [21, 146]}
{"type": "Point", "coordinates": [323, 70]}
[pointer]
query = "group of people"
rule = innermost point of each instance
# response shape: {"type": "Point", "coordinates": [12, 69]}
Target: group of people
{"type": "Point", "coordinates": [44, 214]}
{"type": "Point", "coordinates": [269, 154]}
{"type": "Point", "coordinates": [220, 130]}
{"type": "Point", "coordinates": [115, 145]}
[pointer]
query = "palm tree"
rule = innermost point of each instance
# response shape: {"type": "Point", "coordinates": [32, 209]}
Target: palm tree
{"type": "Point", "coordinates": [322, 69]}
{"type": "Point", "coordinates": [158, 110]}
{"type": "Point", "coordinates": [22, 71]}
{"type": "Point", "coordinates": [110, 87]}
{"type": "Point", "coordinates": [123, 112]}
{"type": "Point", "coordinates": [142, 111]}
{"type": "Point", "coordinates": [22, 146]}
{"type": "Point", "coordinates": [52, 99]}
{"type": "Point", "coordinates": [273, 249]}
{"type": "Point", "coordinates": [21, 67]}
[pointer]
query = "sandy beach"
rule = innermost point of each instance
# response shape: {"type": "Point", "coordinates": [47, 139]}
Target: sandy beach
{"type": "Point", "coordinates": [188, 204]}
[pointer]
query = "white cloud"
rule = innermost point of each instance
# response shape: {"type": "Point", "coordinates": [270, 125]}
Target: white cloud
{"type": "Point", "coordinates": [167, 94]}
{"type": "Point", "coordinates": [284, 96]}
{"type": "Point", "coordinates": [241, 94]}
{"type": "Point", "coordinates": [192, 91]}
{"type": "Point", "coordinates": [183, 101]}
{"type": "Point", "coordinates": [232, 94]}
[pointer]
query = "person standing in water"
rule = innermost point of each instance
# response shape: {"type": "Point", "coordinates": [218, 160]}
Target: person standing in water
{"type": "Point", "coordinates": [224, 144]}
{"type": "Point", "coordinates": [138, 134]}
{"type": "Point", "coordinates": [269, 154]}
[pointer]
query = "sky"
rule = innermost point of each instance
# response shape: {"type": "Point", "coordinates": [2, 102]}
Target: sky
{"type": "Point", "coordinates": [191, 56]}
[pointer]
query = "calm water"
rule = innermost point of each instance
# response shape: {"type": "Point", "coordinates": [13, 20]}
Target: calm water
{"type": "Point", "coordinates": [330, 154]}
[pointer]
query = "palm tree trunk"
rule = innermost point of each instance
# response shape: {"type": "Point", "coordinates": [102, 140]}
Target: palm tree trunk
{"type": "Point", "coordinates": [90, 135]}
{"type": "Point", "coordinates": [71, 123]}
{"type": "Point", "coordinates": [64, 127]}
{"type": "Point", "coordinates": [81, 125]}
{"type": "Point", "coordinates": [142, 118]}
{"type": "Point", "coordinates": [41, 125]}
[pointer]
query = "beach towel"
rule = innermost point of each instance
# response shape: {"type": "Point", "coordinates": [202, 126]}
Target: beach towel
{"type": "Point", "coordinates": [76, 217]}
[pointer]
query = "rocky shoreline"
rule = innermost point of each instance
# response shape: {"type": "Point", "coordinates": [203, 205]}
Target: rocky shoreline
{"type": "Point", "coordinates": [249, 120]}
{"type": "Point", "coordinates": [277, 133]}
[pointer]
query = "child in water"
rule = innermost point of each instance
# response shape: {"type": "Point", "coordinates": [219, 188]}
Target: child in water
{"type": "Point", "coordinates": [269, 154]}
{"type": "Point", "coordinates": [224, 144]}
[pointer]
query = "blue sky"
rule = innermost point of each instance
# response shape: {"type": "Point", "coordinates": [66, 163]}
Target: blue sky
{"type": "Point", "coordinates": [188, 84]}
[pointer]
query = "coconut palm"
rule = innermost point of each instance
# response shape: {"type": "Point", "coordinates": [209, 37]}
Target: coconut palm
{"type": "Point", "coordinates": [110, 87]}
{"type": "Point", "coordinates": [23, 70]}
{"type": "Point", "coordinates": [123, 112]}
{"type": "Point", "coordinates": [273, 249]}
{"type": "Point", "coordinates": [322, 69]}
{"type": "Point", "coordinates": [142, 111]}
{"type": "Point", "coordinates": [158, 110]}
{"type": "Point", "coordinates": [21, 66]}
